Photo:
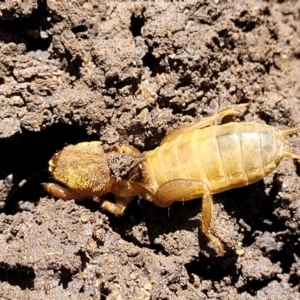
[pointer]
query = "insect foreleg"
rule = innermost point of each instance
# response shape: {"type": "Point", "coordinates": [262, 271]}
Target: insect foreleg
{"type": "Point", "coordinates": [118, 207]}
{"type": "Point", "coordinates": [62, 192]}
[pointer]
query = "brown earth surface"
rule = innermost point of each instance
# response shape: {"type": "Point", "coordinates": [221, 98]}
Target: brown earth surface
{"type": "Point", "coordinates": [128, 72]}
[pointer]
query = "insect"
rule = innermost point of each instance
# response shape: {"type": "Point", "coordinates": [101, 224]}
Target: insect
{"type": "Point", "coordinates": [200, 160]}
{"type": "Point", "coordinates": [83, 171]}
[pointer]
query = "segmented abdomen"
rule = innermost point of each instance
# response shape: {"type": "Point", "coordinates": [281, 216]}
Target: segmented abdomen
{"type": "Point", "coordinates": [225, 156]}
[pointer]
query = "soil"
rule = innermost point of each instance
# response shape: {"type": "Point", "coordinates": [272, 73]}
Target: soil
{"type": "Point", "coordinates": [126, 73]}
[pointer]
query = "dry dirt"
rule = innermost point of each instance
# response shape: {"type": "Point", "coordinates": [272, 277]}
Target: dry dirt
{"type": "Point", "coordinates": [128, 72]}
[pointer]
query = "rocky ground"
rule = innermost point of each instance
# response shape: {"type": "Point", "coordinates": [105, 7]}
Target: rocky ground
{"type": "Point", "coordinates": [128, 72]}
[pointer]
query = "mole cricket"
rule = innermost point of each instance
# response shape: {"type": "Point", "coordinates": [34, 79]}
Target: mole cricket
{"type": "Point", "coordinates": [193, 161]}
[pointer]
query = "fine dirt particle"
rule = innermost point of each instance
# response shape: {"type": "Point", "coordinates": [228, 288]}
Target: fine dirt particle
{"type": "Point", "coordinates": [128, 72]}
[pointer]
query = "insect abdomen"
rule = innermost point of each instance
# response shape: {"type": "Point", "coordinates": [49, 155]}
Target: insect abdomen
{"type": "Point", "coordinates": [225, 156]}
{"type": "Point", "coordinates": [247, 153]}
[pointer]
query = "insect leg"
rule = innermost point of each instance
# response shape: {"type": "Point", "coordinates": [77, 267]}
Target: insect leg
{"type": "Point", "coordinates": [118, 207]}
{"type": "Point", "coordinates": [62, 192]}
{"type": "Point", "coordinates": [233, 110]}
{"type": "Point", "coordinates": [207, 215]}
{"type": "Point", "coordinates": [207, 121]}
{"type": "Point", "coordinates": [187, 189]}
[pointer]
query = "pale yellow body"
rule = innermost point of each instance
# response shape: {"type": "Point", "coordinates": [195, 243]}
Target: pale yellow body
{"type": "Point", "coordinates": [201, 159]}
{"type": "Point", "coordinates": [194, 161]}
{"type": "Point", "coordinates": [224, 157]}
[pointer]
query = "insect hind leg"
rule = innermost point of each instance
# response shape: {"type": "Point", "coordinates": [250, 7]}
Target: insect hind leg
{"type": "Point", "coordinates": [188, 189]}
{"type": "Point", "coordinates": [234, 110]}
